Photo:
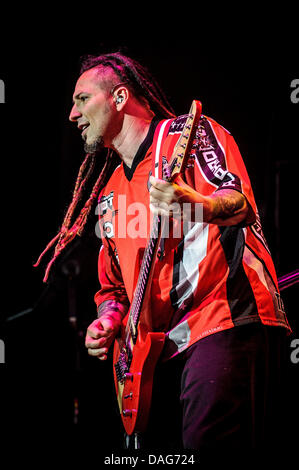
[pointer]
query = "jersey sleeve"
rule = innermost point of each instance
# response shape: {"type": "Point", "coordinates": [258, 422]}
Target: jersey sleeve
{"type": "Point", "coordinates": [219, 165]}
{"type": "Point", "coordinates": [112, 294]}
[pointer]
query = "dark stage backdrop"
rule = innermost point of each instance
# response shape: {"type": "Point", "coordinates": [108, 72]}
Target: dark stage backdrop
{"type": "Point", "coordinates": [247, 90]}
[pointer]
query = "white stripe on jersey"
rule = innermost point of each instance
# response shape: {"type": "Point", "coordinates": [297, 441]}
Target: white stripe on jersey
{"type": "Point", "coordinates": [254, 263]}
{"type": "Point", "coordinates": [195, 250]}
{"type": "Point", "coordinates": [158, 147]}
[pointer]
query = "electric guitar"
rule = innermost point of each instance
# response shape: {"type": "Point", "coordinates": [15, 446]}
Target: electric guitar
{"type": "Point", "coordinates": [137, 348]}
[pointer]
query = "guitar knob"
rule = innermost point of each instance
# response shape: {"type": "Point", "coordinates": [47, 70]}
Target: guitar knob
{"type": "Point", "coordinates": [127, 413]}
{"type": "Point", "coordinates": [128, 376]}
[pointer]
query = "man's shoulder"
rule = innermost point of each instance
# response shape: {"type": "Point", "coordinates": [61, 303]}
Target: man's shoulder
{"type": "Point", "coordinates": [178, 123]}
{"type": "Point", "coordinates": [216, 124]}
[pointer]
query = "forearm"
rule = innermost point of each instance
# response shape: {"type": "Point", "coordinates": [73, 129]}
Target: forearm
{"type": "Point", "coordinates": [225, 207]}
{"type": "Point", "coordinates": [113, 308]}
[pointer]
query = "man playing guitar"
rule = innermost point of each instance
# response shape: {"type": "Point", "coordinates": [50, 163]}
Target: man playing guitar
{"type": "Point", "coordinates": [213, 289]}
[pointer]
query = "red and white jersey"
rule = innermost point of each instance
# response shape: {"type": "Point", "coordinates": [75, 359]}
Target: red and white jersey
{"type": "Point", "coordinates": [210, 278]}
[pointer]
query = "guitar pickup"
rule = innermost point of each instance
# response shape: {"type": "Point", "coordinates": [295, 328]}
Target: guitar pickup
{"type": "Point", "coordinates": [118, 371]}
{"type": "Point", "coordinates": [133, 332]}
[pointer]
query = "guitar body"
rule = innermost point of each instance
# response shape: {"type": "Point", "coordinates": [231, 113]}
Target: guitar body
{"type": "Point", "coordinates": [134, 393]}
{"type": "Point", "coordinates": [137, 349]}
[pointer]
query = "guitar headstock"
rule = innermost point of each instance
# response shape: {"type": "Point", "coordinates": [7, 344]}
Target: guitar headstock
{"type": "Point", "coordinates": [182, 150]}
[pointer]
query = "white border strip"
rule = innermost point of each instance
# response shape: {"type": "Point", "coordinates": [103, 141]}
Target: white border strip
{"type": "Point", "coordinates": [158, 147]}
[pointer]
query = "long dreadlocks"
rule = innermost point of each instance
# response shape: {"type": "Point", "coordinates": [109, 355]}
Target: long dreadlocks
{"type": "Point", "coordinates": [144, 86]}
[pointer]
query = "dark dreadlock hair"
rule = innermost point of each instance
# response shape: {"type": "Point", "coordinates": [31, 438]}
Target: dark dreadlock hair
{"type": "Point", "coordinates": [143, 86]}
{"type": "Point", "coordinates": [137, 77]}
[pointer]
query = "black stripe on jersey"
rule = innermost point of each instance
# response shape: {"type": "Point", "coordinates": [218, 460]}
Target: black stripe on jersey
{"type": "Point", "coordinates": [257, 231]}
{"type": "Point", "coordinates": [273, 289]}
{"type": "Point", "coordinates": [177, 257]}
{"type": "Point", "coordinates": [240, 295]}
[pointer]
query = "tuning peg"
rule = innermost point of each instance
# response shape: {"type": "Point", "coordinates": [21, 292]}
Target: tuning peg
{"type": "Point", "coordinates": [191, 160]}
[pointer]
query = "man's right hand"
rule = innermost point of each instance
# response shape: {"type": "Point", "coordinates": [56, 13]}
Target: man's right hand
{"type": "Point", "coordinates": [101, 333]}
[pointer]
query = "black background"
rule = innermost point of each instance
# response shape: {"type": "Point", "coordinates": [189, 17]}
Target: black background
{"type": "Point", "coordinates": [245, 87]}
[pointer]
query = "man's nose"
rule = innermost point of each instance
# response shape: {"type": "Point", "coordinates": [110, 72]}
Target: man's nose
{"type": "Point", "coordinates": [74, 114]}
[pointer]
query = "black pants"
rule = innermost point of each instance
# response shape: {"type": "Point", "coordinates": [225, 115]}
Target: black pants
{"type": "Point", "coordinates": [222, 394]}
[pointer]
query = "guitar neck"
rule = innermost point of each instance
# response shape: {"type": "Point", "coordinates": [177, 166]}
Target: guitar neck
{"type": "Point", "coordinates": [145, 274]}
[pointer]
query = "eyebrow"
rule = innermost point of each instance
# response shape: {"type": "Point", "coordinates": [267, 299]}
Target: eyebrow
{"type": "Point", "coordinates": [77, 96]}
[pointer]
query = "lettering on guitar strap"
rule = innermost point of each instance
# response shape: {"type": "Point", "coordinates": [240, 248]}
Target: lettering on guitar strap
{"type": "Point", "coordinates": [178, 124]}
{"type": "Point", "coordinates": [212, 160]}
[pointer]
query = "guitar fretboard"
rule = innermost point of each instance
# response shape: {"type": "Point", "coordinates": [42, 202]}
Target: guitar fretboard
{"type": "Point", "coordinates": [147, 260]}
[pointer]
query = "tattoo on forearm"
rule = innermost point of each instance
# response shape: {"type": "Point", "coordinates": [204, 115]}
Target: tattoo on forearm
{"type": "Point", "coordinates": [226, 206]}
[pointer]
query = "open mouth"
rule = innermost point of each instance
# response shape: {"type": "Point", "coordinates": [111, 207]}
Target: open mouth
{"type": "Point", "coordinates": [83, 128]}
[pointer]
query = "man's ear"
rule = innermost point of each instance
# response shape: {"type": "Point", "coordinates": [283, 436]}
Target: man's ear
{"type": "Point", "coordinates": [120, 96]}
